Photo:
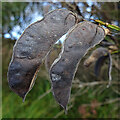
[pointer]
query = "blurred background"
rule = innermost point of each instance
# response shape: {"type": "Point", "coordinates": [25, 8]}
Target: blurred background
{"type": "Point", "coordinates": [90, 97]}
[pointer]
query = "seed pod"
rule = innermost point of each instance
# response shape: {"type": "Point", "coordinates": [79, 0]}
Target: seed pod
{"type": "Point", "coordinates": [32, 47]}
{"type": "Point", "coordinates": [99, 56]}
{"type": "Point", "coordinates": [109, 69]}
{"type": "Point", "coordinates": [99, 63]}
{"type": "Point", "coordinates": [96, 54]}
{"type": "Point", "coordinates": [80, 39]}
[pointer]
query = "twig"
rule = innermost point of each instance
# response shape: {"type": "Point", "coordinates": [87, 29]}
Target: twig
{"type": "Point", "coordinates": [62, 112]}
{"type": "Point", "coordinates": [116, 90]}
{"type": "Point", "coordinates": [95, 83]}
{"type": "Point", "coordinates": [43, 95]}
{"type": "Point", "coordinates": [116, 64]}
{"type": "Point", "coordinates": [71, 101]}
{"type": "Point", "coordinates": [98, 104]}
{"type": "Point", "coordinates": [104, 103]}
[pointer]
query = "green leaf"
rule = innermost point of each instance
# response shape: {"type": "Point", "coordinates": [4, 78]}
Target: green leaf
{"type": "Point", "coordinates": [108, 25]}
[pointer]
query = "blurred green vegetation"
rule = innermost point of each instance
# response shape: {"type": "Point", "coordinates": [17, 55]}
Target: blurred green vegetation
{"type": "Point", "coordinates": [90, 97]}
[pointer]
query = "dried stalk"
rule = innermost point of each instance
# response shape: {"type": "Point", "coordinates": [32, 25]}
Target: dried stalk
{"type": "Point", "coordinates": [43, 95]}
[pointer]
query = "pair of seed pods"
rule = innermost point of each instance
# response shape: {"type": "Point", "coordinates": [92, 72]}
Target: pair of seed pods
{"type": "Point", "coordinates": [37, 40]}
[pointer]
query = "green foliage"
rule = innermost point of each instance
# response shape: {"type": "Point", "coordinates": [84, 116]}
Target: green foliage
{"type": "Point", "coordinates": [46, 107]}
{"type": "Point", "coordinates": [82, 98]}
{"type": "Point", "coordinates": [12, 12]}
{"type": "Point", "coordinates": [108, 25]}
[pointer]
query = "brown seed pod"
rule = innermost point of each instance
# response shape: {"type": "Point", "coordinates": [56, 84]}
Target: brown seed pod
{"type": "Point", "coordinates": [97, 53]}
{"type": "Point", "coordinates": [99, 63]}
{"type": "Point", "coordinates": [32, 47]}
{"type": "Point", "coordinates": [98, 57]}
{"type": "Point", "coordinates": [80, 39]}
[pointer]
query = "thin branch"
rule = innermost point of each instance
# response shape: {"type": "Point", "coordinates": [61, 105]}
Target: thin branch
{"type": "Point", "coordinates": [94, 83]}
{"type": "Point", "coordinates": [104, 103]}
{"type": "Point", "coordinates": [43, 95]}
{"type": "Point", "coordinates": [116, 64]}
{"type": "Point", "coordinates": [88, 105]}
{"type": "Point", "coordinates": [62, 112]}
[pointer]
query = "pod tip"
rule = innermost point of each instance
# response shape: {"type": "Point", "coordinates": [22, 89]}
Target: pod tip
{"type": "Point", "coordinates": [66, 111]}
